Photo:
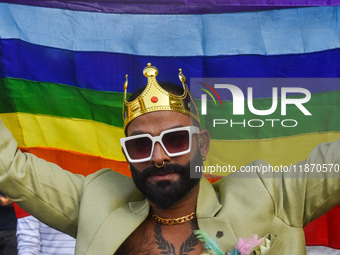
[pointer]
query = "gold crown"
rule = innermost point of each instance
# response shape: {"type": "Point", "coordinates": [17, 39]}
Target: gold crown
{"type": "Point", "coordinates": [155, 98]}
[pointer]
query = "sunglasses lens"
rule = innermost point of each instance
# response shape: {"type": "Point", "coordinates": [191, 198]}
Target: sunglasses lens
{"type": "Point", "coordinates": [139, 148]}
{"type": "Point", "coordinates": [177, 141]}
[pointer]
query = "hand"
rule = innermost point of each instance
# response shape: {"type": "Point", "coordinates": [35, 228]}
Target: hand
{"type": "Point", "coordinates": [5, 201]}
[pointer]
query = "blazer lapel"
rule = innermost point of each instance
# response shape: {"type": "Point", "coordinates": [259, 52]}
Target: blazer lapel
{"type": "Point", "coordinates": [123, 221]}
{"type": "Point", "coordinates": [210, 221]}
{"type": "Point", "coordinates": [118, 226]}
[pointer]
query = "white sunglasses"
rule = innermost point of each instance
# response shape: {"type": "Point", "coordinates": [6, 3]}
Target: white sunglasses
{"type": "Point", "coordinates": [175, 142]}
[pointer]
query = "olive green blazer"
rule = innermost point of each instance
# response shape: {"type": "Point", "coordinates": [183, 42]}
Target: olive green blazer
{"type": "Point", "coordinates": [103, 209]}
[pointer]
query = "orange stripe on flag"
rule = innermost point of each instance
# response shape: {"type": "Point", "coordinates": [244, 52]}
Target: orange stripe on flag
{"type": "Point", "coordinates": [84, 164]}
{"type": "Point", "coordinates": [76, 162]}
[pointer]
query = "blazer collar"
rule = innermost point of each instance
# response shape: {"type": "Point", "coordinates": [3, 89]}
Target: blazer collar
{"type": "Point", "coordinates": [207, 202]}
{"type": "Point", "coordinates": [210, 218]}
{"type": "Point", "coordinates": [138, 206]}
{"type": "Point", "coordinates": [123, 221]}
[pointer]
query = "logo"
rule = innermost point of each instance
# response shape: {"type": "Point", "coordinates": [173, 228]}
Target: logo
{"type": "Point", "coordinates": [281, 100]}
{"type": "Point", "coordinates": [204, 97]}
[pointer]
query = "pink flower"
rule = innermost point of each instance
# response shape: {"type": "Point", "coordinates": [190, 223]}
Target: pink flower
{"type": "Point", "coordinates": [246, 246]}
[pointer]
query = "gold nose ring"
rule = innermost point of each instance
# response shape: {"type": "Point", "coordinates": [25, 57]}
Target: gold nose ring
{"type": "Point", "coordinates": [159, 166]}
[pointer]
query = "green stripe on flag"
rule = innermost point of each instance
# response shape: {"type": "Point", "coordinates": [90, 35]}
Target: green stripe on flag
{"type": "Point", "coordinates": [6, 101]}
{"type": "Point", "coordinates": [66, 101]}
{"type": "Point", "coordinates": [106, 107]}
{"type": "Point", "coordinates": [324, 107]}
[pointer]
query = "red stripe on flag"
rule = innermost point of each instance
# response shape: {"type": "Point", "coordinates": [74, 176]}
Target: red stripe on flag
{"type": "Point", "coordinates": [20, 212]}
{"type": "Point", "coordinates": [325, 230]}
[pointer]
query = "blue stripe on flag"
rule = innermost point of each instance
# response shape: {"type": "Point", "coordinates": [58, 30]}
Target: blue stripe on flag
{"type": "Point", "coordinates": [106, 71]}
{"type": "Point", "coordinates": [285, 31]}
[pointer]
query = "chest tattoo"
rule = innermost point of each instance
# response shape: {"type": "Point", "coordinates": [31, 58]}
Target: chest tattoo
{"type": "Point", "coordinates": [168, 248]}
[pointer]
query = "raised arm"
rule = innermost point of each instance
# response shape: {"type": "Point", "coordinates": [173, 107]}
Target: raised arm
{"type": "Point", "coordinates": [43, 189]}
{"type": "Point", "coordinates": [308, 189]}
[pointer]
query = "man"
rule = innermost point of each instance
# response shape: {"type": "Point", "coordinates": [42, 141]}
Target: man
{"type": "Point", "coordinates": [36, 238]}
{"type": "Point", "coordinates": [8, 226]}
{"type": "Point", "coordinates": [108, 212]}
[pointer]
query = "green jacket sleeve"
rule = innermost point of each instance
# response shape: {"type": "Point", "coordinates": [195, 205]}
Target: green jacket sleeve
{"type": "Point", "coordinates": [41, 188]}
{"type": "Point", "coordinates": [308, 189]}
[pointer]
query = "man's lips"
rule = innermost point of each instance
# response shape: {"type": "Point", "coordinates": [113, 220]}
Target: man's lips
{"type": "Point", "coordinates": [161, 176]}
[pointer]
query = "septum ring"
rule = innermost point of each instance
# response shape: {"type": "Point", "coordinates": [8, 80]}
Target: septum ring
{"type": "Point", "coordinates": [159, 166]}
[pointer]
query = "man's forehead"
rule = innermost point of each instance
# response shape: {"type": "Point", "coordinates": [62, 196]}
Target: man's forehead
{"type": "Point", "coordinates": [158, 121]}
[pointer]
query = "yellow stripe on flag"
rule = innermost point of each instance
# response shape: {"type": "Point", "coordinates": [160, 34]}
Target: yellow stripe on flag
{"type": "Point", "coordinates": [11, 121]}
{"type": "Point", "coordinates": [277, 151]}
{"type": "Point", "coordinates": [98, 139]}
{"type": "Point", "coordinates": [84, 136]}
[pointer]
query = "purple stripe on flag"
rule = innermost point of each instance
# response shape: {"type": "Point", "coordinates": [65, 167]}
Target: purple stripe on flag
{"type": "Point", "coordinates": [174, 7]}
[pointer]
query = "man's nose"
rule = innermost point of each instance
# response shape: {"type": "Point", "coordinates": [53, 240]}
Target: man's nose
{"type": "Point", "coordinates": [159, 155]}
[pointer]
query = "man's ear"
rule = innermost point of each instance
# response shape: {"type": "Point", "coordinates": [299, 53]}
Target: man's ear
{"type": "Point", "coordinates": [204, 143]}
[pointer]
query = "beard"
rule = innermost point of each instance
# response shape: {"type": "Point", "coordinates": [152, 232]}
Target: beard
{"type": "Point", "coordinates": [166, 193]}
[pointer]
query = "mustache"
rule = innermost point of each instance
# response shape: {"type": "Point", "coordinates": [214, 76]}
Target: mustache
{"type": "Point", "coordinates": [166, 169]}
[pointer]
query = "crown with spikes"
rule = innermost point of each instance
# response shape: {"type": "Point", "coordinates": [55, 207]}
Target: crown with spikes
{"type": "Point", "coordinates": [155, 98]}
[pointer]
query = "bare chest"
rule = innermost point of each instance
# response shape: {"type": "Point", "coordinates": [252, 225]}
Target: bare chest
{"type": "Point", "coordinates": [153, 238]}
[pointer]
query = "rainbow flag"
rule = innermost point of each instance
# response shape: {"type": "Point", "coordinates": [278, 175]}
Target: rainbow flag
{"type": "Point", "coordinates": [63, 66]}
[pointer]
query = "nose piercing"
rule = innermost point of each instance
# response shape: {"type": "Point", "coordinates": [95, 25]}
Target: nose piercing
{"type": "Point", "coordinates": [159, 166]}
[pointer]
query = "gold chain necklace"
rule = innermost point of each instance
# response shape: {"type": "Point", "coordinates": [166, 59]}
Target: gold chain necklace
{"type": "Point", "coordinates": [173, 221]}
